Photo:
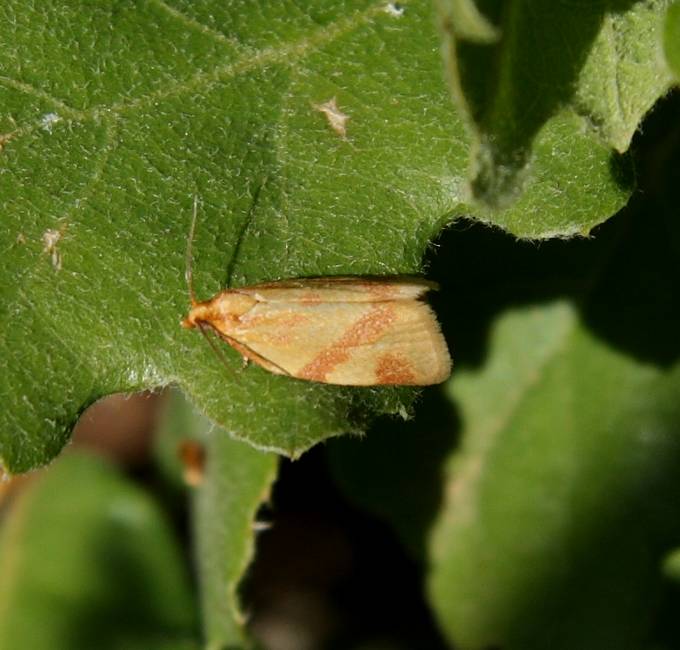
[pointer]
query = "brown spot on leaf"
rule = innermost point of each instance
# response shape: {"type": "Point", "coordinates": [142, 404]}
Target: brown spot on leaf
{"type": "Point", "coordinates": [192, 455]}
{"type": "Point", "coordinates": [51, 239]}
{"type": "Point", "coordinates": [337, 120]}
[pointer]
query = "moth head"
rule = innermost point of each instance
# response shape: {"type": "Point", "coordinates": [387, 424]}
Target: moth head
{"type": "Point", "coordinates": [199, 313]}
{"type": "Point", "coordinates": [226, 307]}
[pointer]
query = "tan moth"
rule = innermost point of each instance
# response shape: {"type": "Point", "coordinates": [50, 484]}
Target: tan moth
{"type": "Point", "coordinates": [356, 331]}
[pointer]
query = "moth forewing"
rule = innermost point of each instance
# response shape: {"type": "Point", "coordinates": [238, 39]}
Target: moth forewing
{"type": "Point", "coordinates": [351, 331]}
{"type": "Point", "coordinates": [341, 289]}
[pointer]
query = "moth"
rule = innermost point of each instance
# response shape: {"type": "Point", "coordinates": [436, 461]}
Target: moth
{"type": "Point", "coordinates": [356, 331]}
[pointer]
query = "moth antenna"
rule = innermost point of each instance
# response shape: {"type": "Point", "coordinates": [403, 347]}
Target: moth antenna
{"type": "Point", "coordinates": [220, 354]}
{"type": "Point", "coordinates": [189, 271]}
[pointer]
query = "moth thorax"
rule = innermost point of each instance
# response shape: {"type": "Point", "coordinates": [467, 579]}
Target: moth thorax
{"type": "Point", "coordinates": [230, 305]}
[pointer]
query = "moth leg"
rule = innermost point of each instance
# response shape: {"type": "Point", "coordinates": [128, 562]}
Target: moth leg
{"type": "Point", "coordinates": [250, 355]}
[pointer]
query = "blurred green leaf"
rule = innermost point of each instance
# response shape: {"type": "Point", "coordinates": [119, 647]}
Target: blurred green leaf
{"type": "Point", "coordinates": [88, 561]}
{"type": "Point", "coordinates": [530, 75]}
{"type": "Point", "coordinates": [178, 423]}
{"type": "Point", "coordinates": [560, 496]}
{"type": "Point", "coordinates": [237, 481]}
{"type": "Point", "coordinates": [115, 116]}
{"type": "Point", "coordinates": [542, 496]}
{"type": "Point", "coordinates": [233, 480]}
{"type": "Point", "coordinates": [672, 39]}
{"type": "Point", "coordinates": [395, 471]}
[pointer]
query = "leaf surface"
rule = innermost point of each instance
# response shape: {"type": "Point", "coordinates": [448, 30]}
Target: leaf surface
{"type": "Point", "coordinates": [530, 75]}
{"type": "Point", "coordinates": [87, 560]}
{"type": "Point", "coordinates": [560, 484]}
{"type": "Point", "coordinates": [116, 116]}
{"type": "Point", "coordinates": [238, 480]}
{"type": "Point", "coordinates": [543, 480]}
{"type": "Point", "coordinates": [672, 39]}
{"type": "Point", "coordinates": [231, 481]}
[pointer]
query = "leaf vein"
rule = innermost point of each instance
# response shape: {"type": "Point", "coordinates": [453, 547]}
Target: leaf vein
{"type": "Point", "coordinates": [192, 23]}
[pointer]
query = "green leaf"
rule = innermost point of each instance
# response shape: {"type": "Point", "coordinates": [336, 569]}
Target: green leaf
{"type": "Point", "coordinates": [542, 497]}
{"type": "Point", "coordinates": [235, 481]}
{"type": "Point", "coordinates": [564, 477]}
{"type": "Point", "coordinates": [672, 39]}
{"type": "Point", "coordinates": [115, 116]}
{"type": "Point", "coordinates": [88, 561]}
{"type": "Point", "coordinates": [228, 481]}
{"type": "Point", "coordinates": [563, 494]}
{"type": "Point", "coordinates": [525, 70]}
{"type": "Point", "coordinates": [573, 183]}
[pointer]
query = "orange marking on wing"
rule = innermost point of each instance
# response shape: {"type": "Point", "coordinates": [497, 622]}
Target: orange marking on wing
{"type": "Point", "coordinates": [378, 290]}
{"type": "Point", "coordinates": [322, 364]}
{"type": "Point", "coordinates": [311, 297]}
{"type": "Point", "coordinates": [383, 291]}
{"type": "Point", "coordinates": [392, 369]}
{"type": "Point", "coordinates": [365, 331]}
{"type": "Point", "coordinates": [286, 328]}
{"type": "Point", "coordinates": [283, 320]}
